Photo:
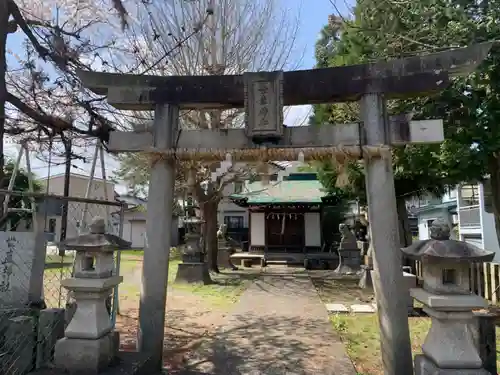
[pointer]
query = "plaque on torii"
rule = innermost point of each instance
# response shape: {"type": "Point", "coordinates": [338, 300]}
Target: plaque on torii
{"type": "Point", "coordinates": [265, 138]}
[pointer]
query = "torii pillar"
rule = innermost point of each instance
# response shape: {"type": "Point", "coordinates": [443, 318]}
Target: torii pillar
{"type": "Point", "coordinates": [371, 84]}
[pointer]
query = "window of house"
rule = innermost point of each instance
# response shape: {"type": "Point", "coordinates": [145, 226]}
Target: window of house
{"type": "Point", "coordinates": [423, 201]}
{"type": "Point", "coordinates": [238, 187]}
{"type": "Point", "coordinates": [470, 195]}
{"type": "Point", "coordinates": [233, 222]}
{"type": "Point", "coordinates": [452, 193]}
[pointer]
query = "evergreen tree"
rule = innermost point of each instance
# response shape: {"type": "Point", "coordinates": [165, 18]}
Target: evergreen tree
{"type": "Point", "coordinates": [469, 107]}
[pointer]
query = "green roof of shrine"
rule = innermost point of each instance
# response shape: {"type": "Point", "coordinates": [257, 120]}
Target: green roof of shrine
{"type": "Point", "coordinates": [295, 189]}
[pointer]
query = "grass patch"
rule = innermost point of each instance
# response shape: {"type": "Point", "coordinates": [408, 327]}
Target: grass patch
{"type": "Point", "coordinates": [360, 334]}
{"type": "Point", "coordinates": [225, 290]}
{"type": "Point", "coordinates": [134, 252]}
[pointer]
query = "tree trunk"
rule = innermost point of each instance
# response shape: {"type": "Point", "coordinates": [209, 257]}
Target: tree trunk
{"type": "Point", "coordinates": [209, 215]}
{"type": "Point", "coordinates": [494, 170]}
{"type": "Point", "coordinates": [4, 21]}
{"type": "Point", "coordinates": [405, 237]}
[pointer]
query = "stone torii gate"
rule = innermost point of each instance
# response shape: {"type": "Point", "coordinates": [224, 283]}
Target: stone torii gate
{"type": "Point", "coordinates": [264, 138]}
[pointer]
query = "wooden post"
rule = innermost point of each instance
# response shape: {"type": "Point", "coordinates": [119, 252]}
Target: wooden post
{"type": "Point", "coordinates": [388, 281]}
{"type": "Point", "coordinates": [156, 255]}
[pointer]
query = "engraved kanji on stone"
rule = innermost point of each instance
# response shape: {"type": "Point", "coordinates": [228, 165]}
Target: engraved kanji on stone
{"type": "Point", "coordinates": [263, 98]}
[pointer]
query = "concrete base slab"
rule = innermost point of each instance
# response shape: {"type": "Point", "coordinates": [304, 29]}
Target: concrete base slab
{"type": "Point", "coordinates": [424, 366]}
{"type": "Point", "coordinates": [80, 356]}
{"type": "Point", "coordinates": [362, 309]}
{"type": "Point", "coordinates": [336, 308]}
{"type": "Point", "coordinates": [350, 270]}
{"type": "Point", "coordinates": [126, 363]}
{"type": "Point", "coordinates": [193, 273]}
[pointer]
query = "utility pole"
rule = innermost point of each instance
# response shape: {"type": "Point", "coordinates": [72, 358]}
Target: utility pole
{"type": "Point", "coordinates": [67, 174]}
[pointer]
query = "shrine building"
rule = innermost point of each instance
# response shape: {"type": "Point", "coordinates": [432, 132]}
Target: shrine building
{"type": "Point", "coordinates": [284, 216]}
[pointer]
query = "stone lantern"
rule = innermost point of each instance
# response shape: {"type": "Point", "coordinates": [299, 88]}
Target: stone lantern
{"type": "Point", "coordinates": [90, 344]}
{"type": "Point", "coordinates": [193, 268]}
{"type": "Point", "coordinates": [449, 347]}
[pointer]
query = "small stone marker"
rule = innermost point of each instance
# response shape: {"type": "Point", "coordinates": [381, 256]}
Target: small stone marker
{"type": "Point", "coordinates": [22, 262]}
{"type": "Point", "coordinates": [50, 329]}
{"type": "Point", "coordinates": [20, 344]}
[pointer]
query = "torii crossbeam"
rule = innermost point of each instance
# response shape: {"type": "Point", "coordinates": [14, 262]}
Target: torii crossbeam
{"type": "Point", "coordinates": [263, 94]}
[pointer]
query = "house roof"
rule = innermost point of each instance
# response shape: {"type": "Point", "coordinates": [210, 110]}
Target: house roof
{"type": "Point", "coordinates": [74, 175]}
{"type": "Point", "coordinates": [131, 200]}
{"type": "Point", "coordinates": [298, 188]}
{"type": "Point", "coordinates": [450, 205]}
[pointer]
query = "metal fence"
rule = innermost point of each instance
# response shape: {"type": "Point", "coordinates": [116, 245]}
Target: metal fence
{"type": "Point", "coordinates": [34, 307]}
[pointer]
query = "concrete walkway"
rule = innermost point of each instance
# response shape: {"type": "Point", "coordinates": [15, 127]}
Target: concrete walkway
{"type": "Point", "coordinates": [279, 327]}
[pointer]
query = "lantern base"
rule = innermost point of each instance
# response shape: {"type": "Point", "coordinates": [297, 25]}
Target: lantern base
{"type": "Point", "coordinates": [350, 262]}
{"type": "Point", "coordinates": [89, 357]}
{"type": "Point", "coordinates": [366, 281]}
{"type": "Point", "coordinates": [193, 273]}
{"type": "Point", "coordinates": [425, 366]}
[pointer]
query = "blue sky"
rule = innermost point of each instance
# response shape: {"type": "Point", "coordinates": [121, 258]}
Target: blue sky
{"type": "Point", "coordinates": [313, 15]}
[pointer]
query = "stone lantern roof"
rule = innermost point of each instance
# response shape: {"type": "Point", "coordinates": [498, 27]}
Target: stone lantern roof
{"type": "Point", "coordinates": [97, 240]}
{"type": "Point", "coordinates": [440, 248]}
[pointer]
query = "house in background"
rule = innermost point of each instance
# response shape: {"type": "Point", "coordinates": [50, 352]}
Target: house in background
{"type": "Point", "coordinates": [469, 210]}
{"type": "Point", "coordinates": [100, 190]}
{"type": "Point", "coordinates": [429, 208]}
{"type": "Point", "coordinates": [134, 222]}
{"type": "Point", "coordinates": [475, 217]}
